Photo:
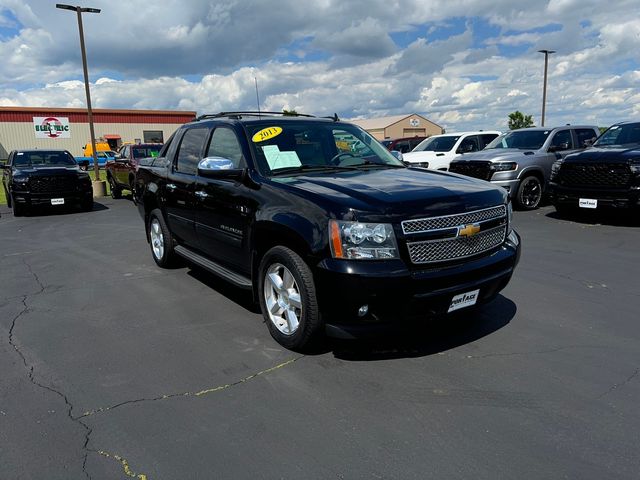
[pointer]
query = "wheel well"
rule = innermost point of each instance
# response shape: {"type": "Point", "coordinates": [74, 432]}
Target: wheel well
{"type": "Point", "coordinates": [534, 173]}
{"type": "Point", "coordinates": [267, 237]}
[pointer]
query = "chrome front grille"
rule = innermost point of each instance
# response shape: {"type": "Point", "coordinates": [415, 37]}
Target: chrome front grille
{"type": "Point", "coordinates": [446, 249]}
{"type": "Point", "coordinates": [423, 225]}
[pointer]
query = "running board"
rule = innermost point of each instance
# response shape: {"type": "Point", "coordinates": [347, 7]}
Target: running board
{"type": "Point", "coordinates": [213, 267]}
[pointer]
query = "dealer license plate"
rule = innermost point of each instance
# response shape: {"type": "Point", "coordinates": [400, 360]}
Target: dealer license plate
{"type": "Point", "coordinates": [464, 300]}
{"type": "Point", "coordinates": [57, 201]}
{"type": "Point", "coordinates": [588, 203]}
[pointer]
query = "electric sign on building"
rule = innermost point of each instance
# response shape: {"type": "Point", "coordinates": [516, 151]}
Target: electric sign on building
{"type": "Point", "coordinates": [51, 127]}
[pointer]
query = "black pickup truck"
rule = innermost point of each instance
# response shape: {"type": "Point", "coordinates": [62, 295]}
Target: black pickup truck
{"type": "Point", "coordinates": [328, 229]}
{"type": "Point", "coordinates": [603, 177]}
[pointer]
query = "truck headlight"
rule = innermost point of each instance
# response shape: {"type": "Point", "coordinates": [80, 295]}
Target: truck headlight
{"type": "Point", "coordinates": [20, 182]}
{"type": "Point", "coordinates": [509, 217]}
{"type": "Point", "coordinates": [555, 169]}
{"type": "Point", "coordinates": [635, 166]}
{"type": "Point", "coordinates": [505, 166]}
{"type": "Point", "coordinates": [362, 241]}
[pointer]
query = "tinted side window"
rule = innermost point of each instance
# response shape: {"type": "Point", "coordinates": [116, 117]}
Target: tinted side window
{"type": "Point", "coordinates": [402, 146]}
{"type": "Point", "coordinates": [561, 138]}
{"type": "Point", "coordinates": [583, 135]}
{"type": "Point", "coordinates": [190, 151]}
{"type": "Point", "coordinates": [224, 143]}
{"type": "Point", "coordinates": [469, 144]}
{"type": "Point", "coordinates": [487, 138]}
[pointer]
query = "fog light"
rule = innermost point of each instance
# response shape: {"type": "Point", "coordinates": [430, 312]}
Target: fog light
{"type": "Point", "coordinates": [363, 310]}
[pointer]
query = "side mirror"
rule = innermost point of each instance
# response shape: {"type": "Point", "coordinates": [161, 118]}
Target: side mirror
{"type": "Point", "coordinates": [465, 148]}
{"type": "Point", "coordinates": [558, 148]}
{"type": "Point", "coordinates": [218, 167]}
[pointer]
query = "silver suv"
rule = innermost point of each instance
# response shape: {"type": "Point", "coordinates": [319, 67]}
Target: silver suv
{"type": "Point", "coordinates": [520, 160]}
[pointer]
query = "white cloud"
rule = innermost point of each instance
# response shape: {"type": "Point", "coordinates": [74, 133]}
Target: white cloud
{"type": "Point", "coordinates": [329, 56]}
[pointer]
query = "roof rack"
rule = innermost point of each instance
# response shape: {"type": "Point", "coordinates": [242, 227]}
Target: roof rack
{"type": "Point", "coordinates": [250, 113]}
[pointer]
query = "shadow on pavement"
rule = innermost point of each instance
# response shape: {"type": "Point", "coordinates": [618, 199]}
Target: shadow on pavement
{"type": "Point", "coordinates": [434, 336]}
{"type": "Point", "coordinates": [613, 218]}
{"type": "Point", "coordinates": [411, 340]}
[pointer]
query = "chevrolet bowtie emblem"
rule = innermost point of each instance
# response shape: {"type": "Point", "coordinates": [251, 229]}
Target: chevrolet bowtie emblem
{"type": "Point", "coordinates": [468, 230]}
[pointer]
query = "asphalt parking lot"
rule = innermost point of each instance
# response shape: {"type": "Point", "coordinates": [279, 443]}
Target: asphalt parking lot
{"type": "Point", "coordinates": [115, 369]}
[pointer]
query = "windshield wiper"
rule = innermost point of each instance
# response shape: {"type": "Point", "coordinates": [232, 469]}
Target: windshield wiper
{"type": "Point", "coordinates": [310, 168]}
{"type": "Point", "coordinates": [368, 163]}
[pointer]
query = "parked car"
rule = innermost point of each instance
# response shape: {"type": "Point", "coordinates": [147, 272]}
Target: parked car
{"type": "Point", "coordinates": [121, 171]}
{"type": "Point", "coordinates": [329, 237]}
{"type": "Point", "coordinates": [402, 145]}
{"type": "Point", "coordinates": [52, 178]}
{"type": "Point", "coordinates": [605, 176]}
{"type": "Point", "coordinates": [521, 160]}
{"type": "Point", "coordinates": [86, 163]}
{"type": "Point", "coordinates": [436, 152]}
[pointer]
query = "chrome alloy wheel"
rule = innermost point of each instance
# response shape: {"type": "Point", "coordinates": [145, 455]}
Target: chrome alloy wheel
{"type": "Point", "coordinates": [282, 298]}
{"type": "Point", "coordinates": [157, 239]}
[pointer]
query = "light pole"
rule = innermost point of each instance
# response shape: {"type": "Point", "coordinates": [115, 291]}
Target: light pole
{"type": "Point", "coordinates": [544, 85]}
{"type": "Point", "coordinates": [79, 11]}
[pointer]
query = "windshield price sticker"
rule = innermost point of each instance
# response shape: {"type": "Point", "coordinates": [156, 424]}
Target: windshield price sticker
{"type": "Point", "coordinates": [266, 134]}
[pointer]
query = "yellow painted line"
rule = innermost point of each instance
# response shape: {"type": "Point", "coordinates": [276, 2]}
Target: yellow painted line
{"type": "Point", "coordinates": [245, 379]}
{"type": "Point", "coordinates": [125, 465]}
{"type": "Point", "coordinates": [200, 393]}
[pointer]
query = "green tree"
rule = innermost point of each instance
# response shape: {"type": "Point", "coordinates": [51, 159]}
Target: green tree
{"type": "Point", "coordinates": [518, 120]}
{"type": "Point", "coordinates": [289, 112]}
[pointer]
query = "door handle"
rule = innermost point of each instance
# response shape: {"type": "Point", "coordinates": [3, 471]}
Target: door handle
{"type": "Point", "coordinates": [202, 195]}
{"type": "Point", "coordinates": [171, 187]}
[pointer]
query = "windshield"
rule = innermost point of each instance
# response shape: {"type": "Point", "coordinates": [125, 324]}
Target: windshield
{"type": "Point", "coordinates": [522, 139]}
{"type": "Point", "coordinates": [147, 151]}
{"type": "Point", "coordinates": [618, 135]}
{"type": "Point", "coordinates": [437, 144]}
{"type": "Point", "coordinates": [44, 159]}
{"type": "Point", "coordinates": [289, 146]}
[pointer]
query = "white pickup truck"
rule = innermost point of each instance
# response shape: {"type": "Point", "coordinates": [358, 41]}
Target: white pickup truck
{"type": "Point", "coordinates": [437, 151]}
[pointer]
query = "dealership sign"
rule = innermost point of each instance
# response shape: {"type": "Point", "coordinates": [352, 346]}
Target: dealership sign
{"type": "Point", "coordinates": [51, 127]}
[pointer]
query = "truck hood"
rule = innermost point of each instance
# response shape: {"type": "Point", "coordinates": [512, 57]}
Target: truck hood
{"type": "Point", "coordinates": [393, 194]}
{"type": "Point", "coordinates": [605, 155]}
{"type": "Point", "coordinates": [497, 155]}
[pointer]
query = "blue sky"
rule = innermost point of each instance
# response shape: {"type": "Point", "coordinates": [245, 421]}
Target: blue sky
{"type": "Point", "coordinates": [465, 64]}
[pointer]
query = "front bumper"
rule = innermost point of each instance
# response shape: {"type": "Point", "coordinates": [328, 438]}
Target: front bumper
{"type": "Point", "coordinates": [395, 295]}
{"type": "Point", "coordinates": [509, 185]}
{"type": "Point", "coordinates": [28, 199]}
{"type": "Point", "coordinates": [607, 198]}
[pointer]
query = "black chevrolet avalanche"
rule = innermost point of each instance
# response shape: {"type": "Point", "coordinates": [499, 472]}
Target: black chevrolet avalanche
{"type": "Point", "coordinates": [327, 228]}
{"type": "Point", "coordinates": [603, 177]}
{"type": "Point", "coordinates": [33, 178]}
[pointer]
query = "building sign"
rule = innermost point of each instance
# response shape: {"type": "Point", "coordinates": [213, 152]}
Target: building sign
{"type": "Point", "coordinates": [51, 127]}
{"type": "Point", "coordinates": [414, 122]}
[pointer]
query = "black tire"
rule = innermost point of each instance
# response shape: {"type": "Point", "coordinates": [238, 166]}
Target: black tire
{"type": "Point", "coordinates": [18, 210]}
{"type": "Point", "coordinates": [8, 197]}
{"type": "Point", "coordinates": [167, 257]}
{"type": "Point", "coordinates": [529, 193]}
{"type": "Point", "coordinates": [116, 191]}
{"type": "Point", "coordinates": [310, 323]}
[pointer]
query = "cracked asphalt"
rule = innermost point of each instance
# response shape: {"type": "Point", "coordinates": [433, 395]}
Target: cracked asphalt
{"type": "Point", "coordinates": [113, 369]}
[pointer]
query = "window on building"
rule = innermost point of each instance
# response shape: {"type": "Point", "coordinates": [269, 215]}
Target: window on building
{"type": "Point", "coordinates": [153, 136]}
